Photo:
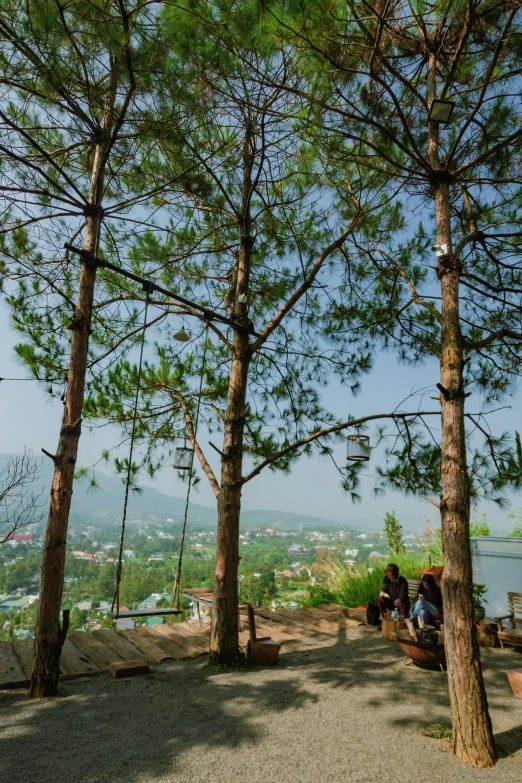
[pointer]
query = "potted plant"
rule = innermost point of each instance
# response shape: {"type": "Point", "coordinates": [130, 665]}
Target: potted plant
{"type": "Point", "coordinates": [478, 600]}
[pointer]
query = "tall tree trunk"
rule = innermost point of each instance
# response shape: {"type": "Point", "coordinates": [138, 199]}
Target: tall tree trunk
{"type": "Point", "coordinates": [49, 637]}
{"type": "Point", "coordinates": [224, 637]}
{"type": "Point", "coordinates": [472, 732]}
{"type": "Point", "coordinates": [224, 633]}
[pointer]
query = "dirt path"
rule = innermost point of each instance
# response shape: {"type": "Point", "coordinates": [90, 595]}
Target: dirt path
{"type": "Point", "coordinates": [336, 709]}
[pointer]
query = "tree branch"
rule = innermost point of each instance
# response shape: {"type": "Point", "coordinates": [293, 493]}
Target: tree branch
{"type": "Point", "coordinates": [500, 335]}
{"type": "Point", "coordinates": [329, 431]}
{"type": "Point", "coordinates": [195, 445]}
{"type": "Point", "coordinates": [303, 288]}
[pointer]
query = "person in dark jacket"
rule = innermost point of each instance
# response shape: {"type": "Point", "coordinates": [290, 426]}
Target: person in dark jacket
{"type": "Point", "coordinates": [394, 593]}
{"type": "Point", "coordinates": [429, 605]}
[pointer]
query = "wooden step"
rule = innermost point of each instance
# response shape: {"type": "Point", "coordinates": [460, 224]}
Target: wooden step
{"type": "Point", "coordinates": [164, 641]}
{"type": "Point", "coordinates": [11, 673]}
{"type": "Point", "coordinates": [192, 628]}
{"type": "Point", "coordinates": [75, 663]}
{"type": "Point", "coordinates": [145, 645]}
{"type": "Point", "coordinates": [325, 626]}
{"type": "Point", "coordinates": [201, 639]}
{"type": "Point", "coordinates": [318, 626]}
{"type": "Point", "coordinates": [342, 614]}
{"type": "Point", "coordinates": [289, 625]}
{"type": "Point", "coordinates": [72, 662]}
{"type": "Point", "coordinates": [94, 649]}
{"type": "Point", "coordinates": [264, 629]}
{"type": "Point", "coordinates": [122, 647]}
{"type": "Point", "coordinates": [128, 668]}
{"type": "Point", "coordinates": [355, 616]}
{"type": "Point", "coordinates": [292, 627]}
{"type": "Point", "coordinates": [199, 625]}
{"type": "Point", "coordinates": [334, 608]}
{"type": "Point", "coordinates": [189, 645]}
{"type": "Point", "coordinates": [314, 611]}
{"type": "Point", "coordinates": [338, 616]}
{"type": "Point", "coordinates": [23, 649]}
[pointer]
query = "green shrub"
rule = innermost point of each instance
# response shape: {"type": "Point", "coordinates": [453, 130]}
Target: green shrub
{"type": "Point", "coordinates": [393, 530]}
{"type": "Point", "coordinates": [359, 588]}
{"type": "Point", "coordinates": [479, 525]}
{"type": "Point", "coordinates": [515, 518]}
{"type": "Point", "coordinates": [319, 594]}
{"type": "Point", "coordinates": [410, 566]}
{"type": "Point", "coordinates": [357, 585]}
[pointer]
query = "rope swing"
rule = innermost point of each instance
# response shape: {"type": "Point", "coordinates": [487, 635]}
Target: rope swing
{"type": "Point", "coordinates": [116, 600]}
{"type": "Point", "coordinates": [175, 592]}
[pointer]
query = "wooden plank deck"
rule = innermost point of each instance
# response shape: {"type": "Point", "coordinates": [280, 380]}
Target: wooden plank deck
{"type": "Point", "coordinates": [147, 648]}
{"type": "Point", "coordinates": [86, 654]}
{"type": "Point", "coordinates": [11, 672]}
{"type": "Point", "coordinates": [75, 663]}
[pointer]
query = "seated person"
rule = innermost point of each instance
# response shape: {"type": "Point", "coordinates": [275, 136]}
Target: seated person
{"type": "Point", "coordinates": [429, 605]}
{"type": "Point", "coordinates": [394, 593]}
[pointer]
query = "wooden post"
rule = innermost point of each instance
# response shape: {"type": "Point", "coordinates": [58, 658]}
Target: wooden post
{"type": "Point", "coordinates": [251, 623]}
{"type": "Point", "coordinates": [66, 618]}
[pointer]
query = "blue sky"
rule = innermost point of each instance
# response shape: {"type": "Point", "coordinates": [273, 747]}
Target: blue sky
{"type": "Point", "coordinates": [28, 418]}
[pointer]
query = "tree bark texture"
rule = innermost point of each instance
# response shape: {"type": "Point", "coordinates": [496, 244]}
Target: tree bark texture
{"type": "Point", "coordinates": [224, 646]}
{"type": "Point", "coordinates": [224, 634]}
{"type": "Point", "coordinates": [472, 732]}
{"type": "Point", "coordinates": [48, 633]}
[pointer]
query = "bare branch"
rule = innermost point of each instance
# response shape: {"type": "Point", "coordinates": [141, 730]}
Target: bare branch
{"type": "Point", "coordinates": [19, 504]}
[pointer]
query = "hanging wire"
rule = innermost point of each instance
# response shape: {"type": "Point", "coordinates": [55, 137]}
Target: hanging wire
{"type": "Point", "coordinates": [175, 591]}
{"type": "Point", "coordinates": [38, 380]}
{"type": "Point", "coordinates": [116, 599]}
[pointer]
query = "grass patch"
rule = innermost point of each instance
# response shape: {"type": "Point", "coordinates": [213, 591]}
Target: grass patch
{"type": "Point", "coordinates": [357, 585]}
{"type": "Point", "coordinates": [437, 731]}
{"type": "Point", "coordinates": [240, 664]}
{"type": "Point", "coordinates": [357, 589]}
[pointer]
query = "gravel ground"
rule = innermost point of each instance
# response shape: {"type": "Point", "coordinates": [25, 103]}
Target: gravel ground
{"type": "Point", "coordinates": [342, 708]}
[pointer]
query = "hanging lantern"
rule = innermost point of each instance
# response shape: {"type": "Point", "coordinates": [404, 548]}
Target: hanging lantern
{"type": "Point", "coordinates": [440, 111]}
{"type": "Point", "coordinates": [181, 336]}
{"type": "Point", "coordinates": [183, 458]}
{"type": "Point", "coordinates": [358, 448]}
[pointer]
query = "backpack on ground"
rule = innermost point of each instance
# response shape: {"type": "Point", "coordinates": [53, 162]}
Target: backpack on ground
{"type": "Point", "coordinates": [373, 615]}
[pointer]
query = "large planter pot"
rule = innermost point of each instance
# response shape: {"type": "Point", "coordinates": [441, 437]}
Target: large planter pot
{"type": "Point", "coordinates": [515, 680]}
{"type": "Point", "coordinates": [427, 655]}
{"type": "Point", "coordinates": [480, 612]}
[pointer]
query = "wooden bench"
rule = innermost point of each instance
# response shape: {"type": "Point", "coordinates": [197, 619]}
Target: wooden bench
{"type": "Point", "coordinates": [413, 595]}
{"type": "Point", "coordinates": [203, 598]}
{"type": "Point", "coordinates": [512, 635]}
{"type": "Point", "coordinates": [413, 589]}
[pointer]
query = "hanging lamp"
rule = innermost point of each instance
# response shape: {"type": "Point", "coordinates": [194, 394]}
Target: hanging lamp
{"type": "Point", "coordinates": [440, 111]}
{"type": "Point", "coordinates": [183, 457]}
{"type": "Point", "coordinates": [358, 448]}
{"type": "Point", "coordinates": [181, 336]}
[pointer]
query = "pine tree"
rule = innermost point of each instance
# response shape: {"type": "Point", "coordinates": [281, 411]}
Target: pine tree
{"type": "Point", "coordinates": [251, 232]}
{"type": "Point", "coordinates": [78, 84]}
{"type": "Point", "coordinates": [376, 71]}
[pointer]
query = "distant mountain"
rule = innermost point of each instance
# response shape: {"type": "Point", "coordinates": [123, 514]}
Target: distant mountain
{"type": "Point", "coordinates": [105, 504]}
{"type": "Point", "coordinates": [284, 520]}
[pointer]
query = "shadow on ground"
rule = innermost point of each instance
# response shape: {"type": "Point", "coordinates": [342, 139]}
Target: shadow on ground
{"type": "Point", "coordinates": [139, 729]}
